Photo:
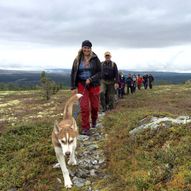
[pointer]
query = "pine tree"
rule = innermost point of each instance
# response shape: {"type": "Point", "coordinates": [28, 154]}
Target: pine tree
{"type": "Point", "coordinates": [46, 85]}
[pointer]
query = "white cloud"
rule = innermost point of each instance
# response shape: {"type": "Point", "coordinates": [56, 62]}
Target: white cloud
{"type": "Point", "coordinates": [142, 34]}
{"type": "Point", "coordinates": [29, 56]}
{"type": "Point", "coordinates": [35, 57]}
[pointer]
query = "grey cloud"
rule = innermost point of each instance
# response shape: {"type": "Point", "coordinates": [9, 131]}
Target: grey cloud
{"type": "Point", "coordinates": [8, 65]}
{"type": "Point", "coordinates": [129, 23]}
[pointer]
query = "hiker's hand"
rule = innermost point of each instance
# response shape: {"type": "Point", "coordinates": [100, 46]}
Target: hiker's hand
{"type": "Point", "coordinates": [88, 82]}
{"type": "Point", "coordinates": [116, 85]}
{"type": "Point", "coordinates": [74, 91]}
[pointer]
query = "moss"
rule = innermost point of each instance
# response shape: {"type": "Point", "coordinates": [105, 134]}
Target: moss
{"type": "Point", "coordinates": [26, 155]}
{"type": "Point", "coordinates": [152, 159]}
{"type": "Point", "coordinates": [10, 103]}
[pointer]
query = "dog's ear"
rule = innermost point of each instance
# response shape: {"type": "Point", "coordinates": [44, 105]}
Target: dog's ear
{"type": "Point", "coordinates": [56, 129]}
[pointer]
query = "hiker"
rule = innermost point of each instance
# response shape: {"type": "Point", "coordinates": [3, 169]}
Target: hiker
{"type": "Point", "coordinates": [109, 82]}
{"type": "Point", "coordinates": [85, 79]}
{"type": "Point", "coordinates": [139, 81]}
{"type": "Point", "coordinates": [134, 77]}
{"type": "Point", "coordinates": [129, 82]}
{"type": "Point", "coordinates": [151, 79]}
{"type": "Point", "coordinates": [121, 89]}
{"type": "Point", "coordinates": [145, 81]}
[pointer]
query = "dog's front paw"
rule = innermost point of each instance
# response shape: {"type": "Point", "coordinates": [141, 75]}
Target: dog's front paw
{"type": "Point", "coordinates": [72, 162]}
{"type": "Point", "coordinates": [68, 183]}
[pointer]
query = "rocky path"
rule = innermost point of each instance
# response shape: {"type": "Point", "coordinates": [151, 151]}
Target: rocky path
{"type": "Point", "coordinates": [90, 158]}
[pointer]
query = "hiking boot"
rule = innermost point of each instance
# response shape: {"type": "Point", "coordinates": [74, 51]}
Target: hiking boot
{"type": "Point", "coordinates": [94, 125]}
{"type": "Point", "coordinates": [85, 132]}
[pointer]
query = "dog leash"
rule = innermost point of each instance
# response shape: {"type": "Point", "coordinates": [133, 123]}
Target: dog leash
{"type": "Point", "coordinates": [76, 113]}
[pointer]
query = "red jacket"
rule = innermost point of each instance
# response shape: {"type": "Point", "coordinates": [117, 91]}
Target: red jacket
{"type": "Point", "coordinates": [139, 80]}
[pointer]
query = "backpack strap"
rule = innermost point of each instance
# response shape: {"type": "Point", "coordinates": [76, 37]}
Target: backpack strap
{"type": "Point", "coordinates": [112, 64]}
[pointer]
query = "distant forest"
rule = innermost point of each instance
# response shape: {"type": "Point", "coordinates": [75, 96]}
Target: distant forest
{"type": "Point", "coordinates": [24, 80]}
{"type": "Point", "coordinates": [21, 80]}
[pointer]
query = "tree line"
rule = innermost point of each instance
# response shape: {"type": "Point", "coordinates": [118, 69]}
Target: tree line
{"type": "Point", "coordinates": [48, 86]}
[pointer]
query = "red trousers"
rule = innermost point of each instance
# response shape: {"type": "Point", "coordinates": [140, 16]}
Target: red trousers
{"type": "Point", "coordinates": [89, 102]}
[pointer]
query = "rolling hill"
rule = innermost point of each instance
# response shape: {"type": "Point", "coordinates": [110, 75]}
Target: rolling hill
{"type": "Point", "coordinates": [62, 76]}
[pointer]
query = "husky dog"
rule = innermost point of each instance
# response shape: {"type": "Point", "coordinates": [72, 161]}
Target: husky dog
{"type": "Point", "coordinates": [64, 139]}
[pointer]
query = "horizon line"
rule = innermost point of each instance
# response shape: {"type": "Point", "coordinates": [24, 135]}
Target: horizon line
{"type": "Point", "coordinates": [131, 70]}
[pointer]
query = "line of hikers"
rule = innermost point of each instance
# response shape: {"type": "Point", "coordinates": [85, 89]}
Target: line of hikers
{"type": "Point", "coordinates": [132, 82]}
{"type": "Point", "coordinates": [98, 81]}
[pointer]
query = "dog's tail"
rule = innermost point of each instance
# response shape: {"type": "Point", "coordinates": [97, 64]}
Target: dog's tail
{"type": "Point", "coordinates": [69, 106]}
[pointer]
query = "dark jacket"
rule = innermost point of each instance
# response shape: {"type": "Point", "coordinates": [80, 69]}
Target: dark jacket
{"type": "Point", "coordinates": [145, 78]}
{"type": "Point", "coordinates": [109, 71]}
{"type": "Point", "coordinates": [95, 66]}
{"type": "Point", "coordinates": [151, 78]}
{"type": "Point", "coordinates": [122, 81]}
{"type": "Point", "coordinates": [129, 81]}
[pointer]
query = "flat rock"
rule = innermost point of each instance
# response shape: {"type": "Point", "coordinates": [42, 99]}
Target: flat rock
{"type": "Point", "coordinates": [12, 189]}
{"type": "Point", "coordinates": [92, 172]}
{"type": "Point", "coordinates": [79, 182]}
{"type": "Point", "coordinates": [82, 173]}
{"type": "Point", "coordinates": [83, 137]}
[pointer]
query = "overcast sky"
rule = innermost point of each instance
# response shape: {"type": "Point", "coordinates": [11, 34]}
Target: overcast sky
{"type": "Point", "coordinates": [141, 34]}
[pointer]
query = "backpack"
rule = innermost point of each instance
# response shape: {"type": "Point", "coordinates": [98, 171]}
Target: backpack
{"type": "Point", "coordinates": [113, 64]}
{"type": "Point", "coordinates": [108, 72]}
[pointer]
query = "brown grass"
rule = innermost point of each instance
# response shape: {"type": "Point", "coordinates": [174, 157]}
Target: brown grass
{"type": "Point", "coordinates": [144, 162]}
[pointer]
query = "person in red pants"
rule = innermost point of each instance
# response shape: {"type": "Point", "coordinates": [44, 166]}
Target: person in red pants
{"type": "Point", "coordinates": [139, 81]}
{"type": "Point", "coordinates": [85, 79]}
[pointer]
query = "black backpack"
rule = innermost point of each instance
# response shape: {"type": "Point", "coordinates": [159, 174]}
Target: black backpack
{"type": "Point", "coordinates": [108, 72]}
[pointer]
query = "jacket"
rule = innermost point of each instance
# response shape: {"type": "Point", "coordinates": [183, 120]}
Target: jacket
{"type": "Point", "coordinates": [129, 81]}
{"type": "Point", "coordinates": [139, 80]}
{"type": "Point", "coordinates": [109, 71]}
{"type": "Point", "coordinates": [151, 78]}
{"type": "Point", "coordinates": [121, 81]}
{"type": "Point", "coordinates": [95, 66]}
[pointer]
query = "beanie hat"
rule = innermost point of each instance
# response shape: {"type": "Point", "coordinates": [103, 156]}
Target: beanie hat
{"type": "Point", "coordinates": [86, 43]}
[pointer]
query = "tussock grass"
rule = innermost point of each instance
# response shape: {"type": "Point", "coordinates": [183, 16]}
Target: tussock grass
{"type": "Point", "coordinates": [26, 152]}
{"type": "Point", "coordinates": [153, 160]}
{"type": "Point", "coordinates": [26, 106]}
{"type": "Point", "coordinates": [27, 157]}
